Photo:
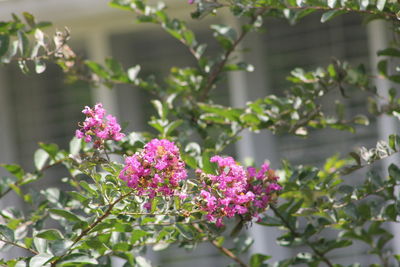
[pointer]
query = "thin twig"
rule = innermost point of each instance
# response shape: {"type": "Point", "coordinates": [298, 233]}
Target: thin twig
{"type": "Point", "coordinates": [228, 253]}
{"type": "Point", "coordinates": [223, 250]}
{"type": "Point", "coordinates": [19, 245]}
{"type": "Point", "coordinates": [218, 68]}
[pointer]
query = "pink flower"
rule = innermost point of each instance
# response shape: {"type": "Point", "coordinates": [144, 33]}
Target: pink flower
{"type": "Point", "coordinates": [97, 128]}
{"type": "Point", "coordinates": [236, 191]}
{"type": "Point", "coordinates": [157, 170]}
{"type": "Point", "coordinates": [147, 206]}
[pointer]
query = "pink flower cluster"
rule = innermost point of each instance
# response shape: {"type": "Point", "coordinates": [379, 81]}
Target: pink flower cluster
{"type": "Point", "coordinates": [236, 191]}
{"type": "Point", "coordinates": [98, 129]}
{"type": "Point", "coordinates": [157, 170]}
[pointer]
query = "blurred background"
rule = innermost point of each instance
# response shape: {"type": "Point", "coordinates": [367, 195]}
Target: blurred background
{"type": "Point", "coordinates": [43, 108]}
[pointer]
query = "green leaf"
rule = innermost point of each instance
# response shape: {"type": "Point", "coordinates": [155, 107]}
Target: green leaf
{"type": "Point", "coordinates": [243, 243]}
{"type": "Point", "coordinates": [171, 127]}
{"type": "Point", "coordinates": [361, 120]}
{"type": "Point", "coordinates": [16, 189]}
{"type": "Point", "coordinates": [89, 187]}
{"type": "Point", "coordinates": [23, 44]}
{"type": "Point", "coordinates": [52, 149]}
{"type": "Point", "coordinates": [334, 244]}
{"type": "Point", "coordinates": [395, 78]}
{"type": "Point", "coordinates": [20, 264]}
{"type": "Point", "coordinates": [118, 72]}
{"type": "Point", "coordinates": [40, 157]}
{"type": "Point", "coordinates": [382, 67]}
{"type": "Point", "coordinates": [300, 2]}
{"type": "Point", "coordinates": [43, 24]}
{"type": "Point", "coordinates": [383, 240]}
{"type": "Point", "coordinates": [142, 262]}
{"type": "Point", "coordinates": [208, 166]}
{"type": "Point", "coordinates": [225, 35]}
{"type": "Point", "coordinates": [40, 66]}
{"type": "Point", "coordinates": [332, 3]}
{"type": "Point", "coordinates": [257, 259]}
{"type": "Point", "coordinates": [52, 194]}
{"type": "Point", "coordinates": [120, 4]}
{"type": "Point", "coordinates": [185, 231]}
{"type": "Point", "coordinates": [65, 214]}
{"type": "Point", "coordinates": [77, 258]}
{"type": "Point", "coordinates": [394, 172]}
{"type": "Point", "coordinates": [391, 212]}
{"type": "Point", "coordinates": [133, 72]}
{"type": "Point", "coordinates": [331, 14]}
{"type": "Point", "coordinates": [356, 157]}
{"type": "Point", "coordinates": [393, 52]}
{"type": "Point", "coordinates": [59, 247]}
{"type": "Point", "coordinates": [394, 141]}
{"type": "Point", "coordinates": [97, 69]}
{"type": "Point", "coordinates": [380, 4]}
{"type": "Point", "coordinates": [189, 37]}
{"type": "Point", "coordinates": [364, 4]}
{"type": "Point", "coordinates": [11, 53]}
{"type": "Point", "coordinates": [115, 66]}
{"type": "Point", "coordinates": [190, 161]}
{"type": "Point", "coordinates": [94, 244]}
{"type": "Point", "coordinates": [77, 196]}
{"type": "Point", "coordinates": [137, 235]}
{"type": "Point", "coordinates": [75, 146]}
{"type": "Point", "coordinates": [40, 260]}
{"type": "Point", "coordinates": [6, 232]}
{"type": "Point", "coordinates": [121, 247]}
{"type": "Point", "coordinates": [50, 234]}
{"type": "Point", "coordinates": [29, 18]}
{"type": "Point", "coordinates": [14, 169]}
{"type": "Point", "coordinates": [161, 246]}
{"type": "Point", "coordinates": [154, 203]}
{"type": "Point", "coordinates": [123, 227]}
{"type": "Point", "coordinates": [161, 110]}
{"type": "Point", "coordinates": [236, 230]}
{"type": "Point", "coordinates": [346, 189]}
{"type": "Point", "coordinates": [4, 43]}
{"type": "Point", "coordinates": [270, 221]}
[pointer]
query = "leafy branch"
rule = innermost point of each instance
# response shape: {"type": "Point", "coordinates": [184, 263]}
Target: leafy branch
{"type": "Point", "coordinates": [296, 234]}
{"type": "Point", "coordinates": [217, 69]}
{"type": "Point", "coordinates": [90, 227]}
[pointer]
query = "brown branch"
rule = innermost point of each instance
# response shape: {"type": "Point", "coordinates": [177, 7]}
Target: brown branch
{"type": "Point", "coordinates": [222, 249]}
{"type": "Point", "coordinates": [228, 253]}
{"type": "Point", "coordinates": [19, 245]}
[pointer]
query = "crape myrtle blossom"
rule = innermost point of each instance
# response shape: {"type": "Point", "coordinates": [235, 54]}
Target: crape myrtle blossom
{"type": "Point", "coordinates": [236, 191]}
{"type": "Point", "coordinates": [98, 128]}
{"type": "Point", "coordinates": [157, 170]}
